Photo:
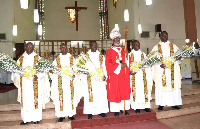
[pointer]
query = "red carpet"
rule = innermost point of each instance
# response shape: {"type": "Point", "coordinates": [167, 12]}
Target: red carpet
{"type": "Point", "coordinates": [150, 124]}
{"type": "Point", "coordinates": [114, 122]}
{"type": "Point", "coordinates": [6, 88]}
{"type": "Point", "coordinates": [82, 121]}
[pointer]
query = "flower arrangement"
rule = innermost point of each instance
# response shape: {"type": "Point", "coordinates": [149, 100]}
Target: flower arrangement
{"type": "Point", "coordinates": [155, 57]}
{"type": "Point", "coordinates": [97, 74]}
{"type": "Point", "coordinates": [29, 72]}
{"type": "Point", "coordinates": [44, 66]}
{"type": "Point", "coordinates": [80, 64]}
{"type": "Point", "coordinates": [168, 62]}
{"type": "Point", "coordinates": [66, 72]}
{"type": "Point", "coordinates": [83, 64]}
{"type": "Point", "coordinates": [8, 64]}
{"type": "Point", "coordinates": [185, 51]}
{"type": "Point", "coordinates": [151, 59]}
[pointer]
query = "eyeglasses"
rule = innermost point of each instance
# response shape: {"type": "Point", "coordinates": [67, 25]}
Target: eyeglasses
{"type": "Point", "coordinates": [29, 46]}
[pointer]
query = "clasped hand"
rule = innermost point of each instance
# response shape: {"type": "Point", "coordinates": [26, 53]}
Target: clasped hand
{"type": "Point", "coordinates": [123, 65]}
{"type": "Point", "coordinates": [163, 66]}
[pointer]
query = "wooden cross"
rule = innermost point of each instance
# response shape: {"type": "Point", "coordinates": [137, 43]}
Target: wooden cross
{"type": "Point", "coordinates": [76, 12]}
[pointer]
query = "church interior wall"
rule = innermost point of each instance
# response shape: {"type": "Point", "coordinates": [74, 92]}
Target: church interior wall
{"type": "Point", "coordinates": [59, 26]}
{"type": "Point", "coordinates": [168, 13]}
{"type": "Point", "coordinates": [6, 26]}
{"type": "Point", "coordinates": [6, 19]}
{"type": "Point", "coordinates": [11, 13]}
{"type": "Point", "coordinates": [26, 28]}
{"type": "Point", "coordinates": [116, 16]}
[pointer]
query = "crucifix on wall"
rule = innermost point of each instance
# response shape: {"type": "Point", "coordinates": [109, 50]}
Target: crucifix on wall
{"type": "Point", "coordinates": [73, 13]}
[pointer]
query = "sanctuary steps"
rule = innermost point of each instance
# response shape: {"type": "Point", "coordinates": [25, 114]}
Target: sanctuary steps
{"type": "Point", "coordinates": [10, 116]}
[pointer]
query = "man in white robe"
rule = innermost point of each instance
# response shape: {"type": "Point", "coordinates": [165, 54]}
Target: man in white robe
{"type": "Point", "coordinates": [167, 80]}
{"type": "Point", "coordinates": [196, 49]}
{"type": "Point", "coordinates": [33, 92]}
{"type": "Point", "coordinates": [62, 88]}
{"type": "Point", "coordinates": [95, 103]}
{"type": "Point", "coordinates": [140, 81]}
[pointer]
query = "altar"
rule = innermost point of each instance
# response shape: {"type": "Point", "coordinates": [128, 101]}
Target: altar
{"type": "Point", "coordinates": [190, 68]}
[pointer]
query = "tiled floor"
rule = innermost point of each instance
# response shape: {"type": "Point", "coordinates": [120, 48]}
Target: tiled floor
{"type": "Point", "coordinates": [184, 122]}
{"type": "Point", "coordinates": [191, 121]}
{"type": "Point", "coordinates": [187, 84]}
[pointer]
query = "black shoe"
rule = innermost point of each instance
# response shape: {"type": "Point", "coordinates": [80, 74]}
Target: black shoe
{"type": "Point", "coordinates": [116, 114]}
{"type": "Point", "coordinates": [126, 113]}
{"type": "Point", "coordinates": [160, 108]}
{"type": "Point", "coordinates": [147, 110]}
{"type": "Point", "coordinates": [102, 115]}
{"type": "Point", "coordinates": [89, 116]}
{"type": "Point", "coordinates": [61, 119]}
{"type": "Point", "coordinates": [37, 122]}
{"type": "Point", "coordinates": [137, 111]}
{"type": "Point", "coordinates": [176, 107]}
{"type": "Point", "coordinates": [22, 123]}
{"type": "Point", "coordinates": [72, 118]}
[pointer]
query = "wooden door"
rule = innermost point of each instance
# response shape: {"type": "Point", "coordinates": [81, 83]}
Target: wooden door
{"type": "Point", "coordinates": [19, 50]}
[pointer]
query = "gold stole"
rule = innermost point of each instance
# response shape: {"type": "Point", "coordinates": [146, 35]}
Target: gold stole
{"type": "Point", "coordinates": [71, 83]}
{"type": "Point", "coordinates": [35, 83]}
{"type": "Point", "coordinates": [60, 89]}
{"type": "Point", "coordinates": [144, 81]}
{"type": "Point", "coordinates": [172, 66]}
{"type": "Point", "coordinates": [21, 61]}
{"type": "Point", "coordinates": [89, 78]}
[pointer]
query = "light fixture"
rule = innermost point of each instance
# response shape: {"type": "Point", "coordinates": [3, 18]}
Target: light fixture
{"type": "Point", "coordinates": [39, 29]}
{"type": "Point", "coordinates": [24, 4]}
{"type": "Point", "coordinates": [126, 15]}
{"type": "Point", "coordinates": [197, 40]}
{"type": "Point", "coordinates": [139, 25]}
{"type": "Point", "coordinates": [116, 27]}
{"type": "Point", "coordinates": [187, 40]}
{"type": "Point", "coordinates": [139, 28]}
{"type": "Point", "coordinates": [36, 16]}
{"type": "Point", "coordinates": [14, 30]}
{"type": "Point", "coordinates": [14, 49]}
{"type": "Point", "coordinates": [148, 2]}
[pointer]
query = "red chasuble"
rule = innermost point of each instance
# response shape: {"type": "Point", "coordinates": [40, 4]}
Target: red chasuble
{"type": "Point", "coordinates": [118, 86]}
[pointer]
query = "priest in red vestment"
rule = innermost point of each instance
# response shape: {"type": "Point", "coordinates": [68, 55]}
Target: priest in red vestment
{"type": "Point", "coordinates": [118, 79]}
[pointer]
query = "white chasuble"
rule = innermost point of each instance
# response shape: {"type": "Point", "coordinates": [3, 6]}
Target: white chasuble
{"type": "Point", "coordinates": [32, 101]}
{"type": "Point", "coordinates": [170, 93]}
{"type": "Point", "coordinates": [100, 102]}
{"type": "Point", "coordinates": [62, 94]}
{"type": "Point", "coordinates": [140, 98]}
